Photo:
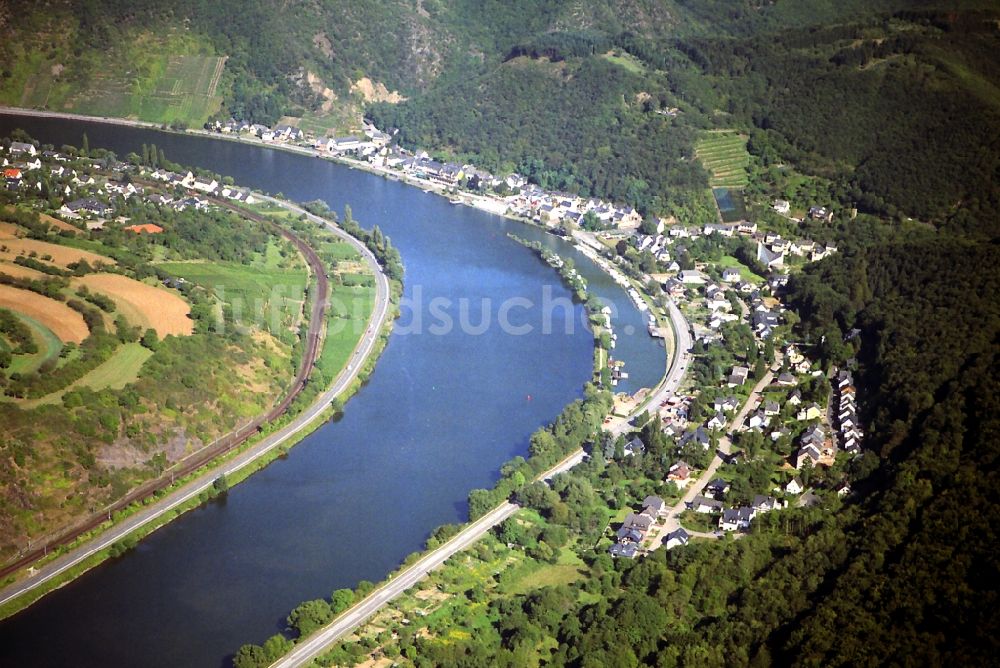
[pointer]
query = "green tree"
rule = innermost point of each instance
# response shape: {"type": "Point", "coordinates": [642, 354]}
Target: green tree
{"type": "Point", "coordinates": [341, 600]}
{"type": "Point", "coordinates": [150, 339]}
{"type": "Point", "coordinates": [251, 656]}
{"type": "Point", "coordinates": [309, 616]}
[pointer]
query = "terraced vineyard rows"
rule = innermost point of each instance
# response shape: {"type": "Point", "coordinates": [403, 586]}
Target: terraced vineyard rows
{"type": "Point", "coordinates": [724, 155]}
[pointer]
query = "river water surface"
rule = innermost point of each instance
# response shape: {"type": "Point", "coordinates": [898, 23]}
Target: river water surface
{"type": "Point", "coordinates": [439, 415]}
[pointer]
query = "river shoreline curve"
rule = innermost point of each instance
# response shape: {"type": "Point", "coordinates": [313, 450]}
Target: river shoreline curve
{"type": "Point", "coordinates": [235, 465]}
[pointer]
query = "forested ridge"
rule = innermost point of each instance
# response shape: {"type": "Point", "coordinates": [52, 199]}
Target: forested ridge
{"type": "Point", "coordinates": [896, 102]}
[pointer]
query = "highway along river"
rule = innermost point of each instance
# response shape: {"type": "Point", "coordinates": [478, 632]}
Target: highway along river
{"type": "Point", "coordinates": [443, 409]}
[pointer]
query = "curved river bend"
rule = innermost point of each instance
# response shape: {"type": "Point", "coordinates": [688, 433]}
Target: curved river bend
{"type": "Point", "coordinates": [440, 414]}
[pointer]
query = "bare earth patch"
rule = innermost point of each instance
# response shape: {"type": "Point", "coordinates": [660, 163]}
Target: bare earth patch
{"type": "Point", "coordinates": [317, 86]}
{"type": "Point", "coordinates": [64, 322]}
{"type": "Point", "coordinates": [376, 91]}
{"type": "Point", "coordinates": [142, 304]}
{"type": "Point", "coordinates": [61, 255]}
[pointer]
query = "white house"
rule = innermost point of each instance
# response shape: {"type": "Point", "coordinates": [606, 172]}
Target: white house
{"type": "Point", "coordinates": [730, 275]}
{"type": "Point", "coordinates": [18, 147]}
{"type": "Point", "coordinates": [794, 486]}
{"type": "Point", "coordinates": [205, 186]}
{"type": "Point", "coordinates": [691, 277]}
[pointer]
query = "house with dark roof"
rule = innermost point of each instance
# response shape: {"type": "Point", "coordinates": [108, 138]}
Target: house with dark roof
{"type": "Point", "coordinates": [653, 506]}
{"type": "Point", "coordinates": [716, 489]}
{"type": "Point", "coordinates": [806, 453]}
{"type": "Point", "coordinates": [677, 538]}
{"type": "Point", "coordinates": [624, 550]}
{"type": "Point", "coordinates": [699, 436]}
{"type": "Point", "coordinates": [736, 519]}
{"type": "Point", "coordinates": [765, 504]}
{"type": "Point", "coordinates": [634, 447]}
{"type": "Point", "coordinates": [702, 504]}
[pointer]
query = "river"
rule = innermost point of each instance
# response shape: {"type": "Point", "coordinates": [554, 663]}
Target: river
{"type": "Point", "coordinates": [443, 409]}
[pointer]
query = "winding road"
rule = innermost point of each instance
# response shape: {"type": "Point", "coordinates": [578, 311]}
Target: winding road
{"type": "Point", "coordinates": [204, 482]}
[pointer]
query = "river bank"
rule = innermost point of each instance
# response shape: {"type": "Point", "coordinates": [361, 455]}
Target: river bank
{"type": "Point", "coordinates": [441, 432]}
{"type": "Point", "coordinates": [125, 527]}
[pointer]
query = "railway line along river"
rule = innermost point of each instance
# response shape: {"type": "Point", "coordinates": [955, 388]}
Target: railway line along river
{"type": "Point", "coordinates": [488, 348]}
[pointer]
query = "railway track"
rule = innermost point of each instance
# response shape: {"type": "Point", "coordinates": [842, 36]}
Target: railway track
{"type": "Point", "coordinates": [233, 439]}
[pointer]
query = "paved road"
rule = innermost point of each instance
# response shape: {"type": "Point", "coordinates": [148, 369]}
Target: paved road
{"type": "Point", "coordinates": [725, 446]}
{"type": "Point", "coordinates": [157, 510]}
{"type": "Point", "coordinates": [355, 616]}
{"type": "Point", "coordinates": [675, 374]}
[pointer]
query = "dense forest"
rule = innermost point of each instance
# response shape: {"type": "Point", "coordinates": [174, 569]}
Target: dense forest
{"type": "Point", "coordinates": [897, 104]}
{"type": "Point", "coordinates": [575, 126]}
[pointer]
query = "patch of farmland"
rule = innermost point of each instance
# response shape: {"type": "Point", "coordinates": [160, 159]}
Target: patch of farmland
{"type": "Point", "coordinates": [725, 156]}
{"type": "Point", "coordinates": [266, 298]}
{"type": "Point", "coordinates": [64, 322]}
{"type": "Point", "coordinates": [17, 271]}
{"type": "Point", "coordinates": [142, 304]}
{"type": "Point", "coordinates": [61, 255]}
{"type": "Point", "coordinates": [123, 368]}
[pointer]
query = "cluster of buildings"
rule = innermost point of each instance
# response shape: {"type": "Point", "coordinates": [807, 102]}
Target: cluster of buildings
{"type": "Point", "coordinates": [189, 182]}
{"type": "Point", "coordinates": [637, 526]}
{"type": "Point", "coordinates": [772, 249]}
{"type": "Point", "coordinates": [93, 192]}
{"type": "Point", "coordinates": [848, 425]}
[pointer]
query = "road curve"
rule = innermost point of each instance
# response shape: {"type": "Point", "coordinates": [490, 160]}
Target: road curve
{"type": "Point", "coordinates": [204, 482]}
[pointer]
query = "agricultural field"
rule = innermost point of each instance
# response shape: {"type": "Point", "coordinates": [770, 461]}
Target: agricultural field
{"type": "Point", "coordinates": [60, 319]}
{"type": "Point", "coordinates": [261, 295]}
{"type": "Point", "coordinates": [171, 78]}
{"type": "Point", "coordinates": [55, 254]}
{"type": "Point", "coordinates": [17, 271]}
{"type": "Point", "coordinates": [144, 305]}
{"type": "Point", "coordinates": [185, 92]}
{"type": "Point", "coordinates": [724, 155]}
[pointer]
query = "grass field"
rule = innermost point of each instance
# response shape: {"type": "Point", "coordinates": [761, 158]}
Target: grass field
{"type": "Point", "coordinates": [745, 273]}
{"type": "Point", "coordinates": [122, 369]}
{"type": "Point", "coordinates": [724, 155]}
{"type": "Point", "coordinates": [529, 577]}
{"type": "Point", "coordinates": [626, 61]}
{"type": "Point", "coordinates": [48, 343]}
{"type": "Point", "coordinates": [349, 309]}
{"type": "Point", "coordinates": [338, 250]}
{"type": "Point", "coordinates": [261, 296]}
